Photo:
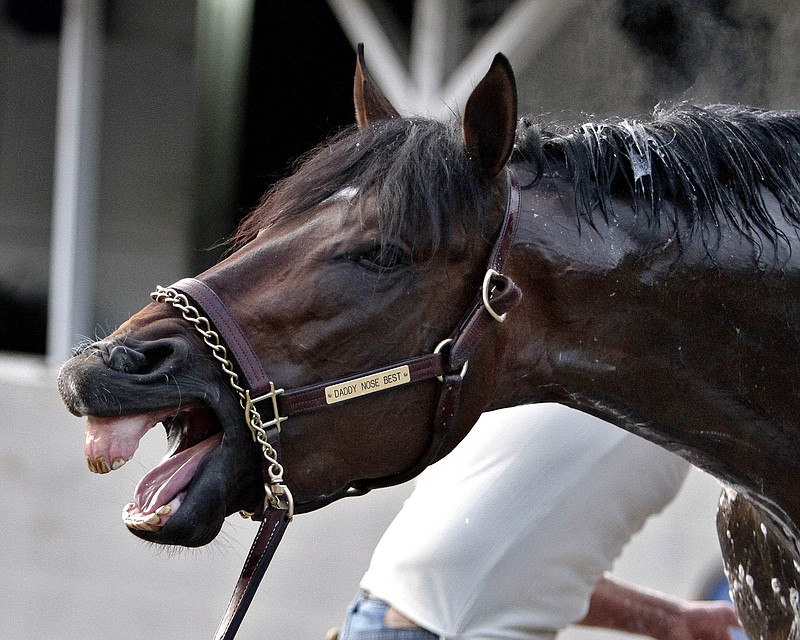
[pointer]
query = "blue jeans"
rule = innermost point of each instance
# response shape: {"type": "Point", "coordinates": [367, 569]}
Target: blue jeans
{"type": "Point", "coordinates": [365, 621]}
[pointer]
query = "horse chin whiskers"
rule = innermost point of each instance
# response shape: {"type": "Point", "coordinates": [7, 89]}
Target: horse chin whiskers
{"type": "Point", "coordinates": [170, 551]}
{"type": "Point", "coordinates": [226, 542]}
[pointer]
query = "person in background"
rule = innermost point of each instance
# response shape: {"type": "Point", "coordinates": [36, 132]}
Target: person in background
{"type": "Point", "coordinates": [511, 536]}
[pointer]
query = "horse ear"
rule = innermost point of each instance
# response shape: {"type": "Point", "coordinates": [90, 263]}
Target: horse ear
{"type": "Point", "coordinates": [490, 118]}
{"type": "Point", "coordinates": [371, 105]}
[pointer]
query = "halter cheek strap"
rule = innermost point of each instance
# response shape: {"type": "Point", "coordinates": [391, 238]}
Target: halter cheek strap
{"type": "Point", "coordinates": [448, 363]}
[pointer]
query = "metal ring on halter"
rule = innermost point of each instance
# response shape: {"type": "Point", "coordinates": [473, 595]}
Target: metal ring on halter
{"type": "Point", "coordinates": [485, 294]}
{"type": "Point", "coordinates": [439, 347]}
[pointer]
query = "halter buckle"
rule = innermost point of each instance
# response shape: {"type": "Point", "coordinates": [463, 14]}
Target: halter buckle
{"type": "Point", "coordinates": [253, 417]}
{"type": "Point", "coordinates": [438, 349]}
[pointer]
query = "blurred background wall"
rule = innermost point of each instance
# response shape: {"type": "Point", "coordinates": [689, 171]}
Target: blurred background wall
{"type": "Point", "coordinates": [134, 134]}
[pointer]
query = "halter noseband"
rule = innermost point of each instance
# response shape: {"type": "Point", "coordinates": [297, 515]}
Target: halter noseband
{"type": "Point", "coordinates": [202, 307]}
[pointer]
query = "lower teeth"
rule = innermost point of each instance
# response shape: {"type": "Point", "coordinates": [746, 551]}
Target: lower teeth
{"type": "Point", "coordinates": [134, 518]}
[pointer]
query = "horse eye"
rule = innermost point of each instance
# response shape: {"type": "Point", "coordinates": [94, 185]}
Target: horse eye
{"type": "Point", "coordinates": [379, 257]}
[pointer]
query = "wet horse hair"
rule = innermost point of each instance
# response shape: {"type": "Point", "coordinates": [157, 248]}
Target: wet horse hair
{"type": "Point", "coordinates": [688, 167]}
{"type": "Point", "coordinates": [713, 163]}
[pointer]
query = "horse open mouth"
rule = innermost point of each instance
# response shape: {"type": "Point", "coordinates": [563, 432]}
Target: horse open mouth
{"type": "Point", "coordinates": [192, 434]}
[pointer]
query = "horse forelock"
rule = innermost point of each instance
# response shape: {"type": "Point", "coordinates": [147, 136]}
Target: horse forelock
{"type": "Point", "coordinates": [688, 167]}
{"type": "Point", "coordinates": [414, 172]}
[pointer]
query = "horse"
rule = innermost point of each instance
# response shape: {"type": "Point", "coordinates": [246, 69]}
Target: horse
{"type": "Point", "coordinates": [643, 271]}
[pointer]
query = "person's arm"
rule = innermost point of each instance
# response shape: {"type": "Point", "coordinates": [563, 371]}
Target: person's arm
{"type": "Point", "coordinates": [622, 606]}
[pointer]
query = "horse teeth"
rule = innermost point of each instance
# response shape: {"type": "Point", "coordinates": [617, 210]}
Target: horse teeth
{"type": "Point", "coordinates": [130, 514]}
{"type": "Point", "coordinates": [164, 510]}
{"type": "Point", "coordinates": [134, 518]}
{"type": "Point", "coordinates": [136, 522]}
{"type": "Point", "coordinates": [99, 465]}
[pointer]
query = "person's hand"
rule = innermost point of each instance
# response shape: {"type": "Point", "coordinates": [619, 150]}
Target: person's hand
{"type": "Point", "coordinates": [703, 620]}
{"type": "Point", "coordinates": [624, 606]}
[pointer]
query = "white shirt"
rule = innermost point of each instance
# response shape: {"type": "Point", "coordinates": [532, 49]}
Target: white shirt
{"type": "Point", "coordinates": [507, 536]}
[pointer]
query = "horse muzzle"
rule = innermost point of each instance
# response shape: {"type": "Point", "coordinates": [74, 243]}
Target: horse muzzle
{"type": "Point", "coordinates": [125, 387]}
{"type": "Point", "coordinates": [122, 375]}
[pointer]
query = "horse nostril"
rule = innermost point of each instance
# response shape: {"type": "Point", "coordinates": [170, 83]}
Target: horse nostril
{"type": "Point", "coordinates": [145, 357]}
{"type": "Point", "coordinates": [125, 360]}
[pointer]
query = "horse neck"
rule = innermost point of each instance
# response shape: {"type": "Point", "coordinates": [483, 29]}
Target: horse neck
{"type": "Point", "coordinates": [554, 336]}
{"type": "Point", "coordinates": [656, 342]}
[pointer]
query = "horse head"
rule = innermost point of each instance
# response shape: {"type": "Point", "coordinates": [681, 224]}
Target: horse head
{"type": "Point", "coordinates": [369, 254]}
{"type": "Point", "coordinates": [660, 270]}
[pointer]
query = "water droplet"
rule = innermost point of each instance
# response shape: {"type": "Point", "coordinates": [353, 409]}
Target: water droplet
{"type": "Point", "coordinates": [794, 599]}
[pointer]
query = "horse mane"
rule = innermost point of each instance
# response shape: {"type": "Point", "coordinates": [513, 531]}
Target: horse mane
{"type": "Point", "coordinates": [693, 168]}
{"type": "Point", "coordinates": [417, 170]}
{"type": "Point", "coordinates": [689, 167]}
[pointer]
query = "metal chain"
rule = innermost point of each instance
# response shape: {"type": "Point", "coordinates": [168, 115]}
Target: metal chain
{"type": "Point", "coordinates": [276, 490]}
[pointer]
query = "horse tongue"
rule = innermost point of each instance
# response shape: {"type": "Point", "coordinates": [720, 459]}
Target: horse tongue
{"type": "Point", "coordinates": [111, 442]}
{"type": "Point", "coordinates": [172, 475]}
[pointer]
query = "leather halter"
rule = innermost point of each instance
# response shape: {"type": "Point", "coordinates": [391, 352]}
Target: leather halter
{"type": "Point", "coordinates": [448, 363]}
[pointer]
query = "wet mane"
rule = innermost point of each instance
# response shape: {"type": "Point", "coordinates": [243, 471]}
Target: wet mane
{"type": "Point", "coordinates": [688, 167]}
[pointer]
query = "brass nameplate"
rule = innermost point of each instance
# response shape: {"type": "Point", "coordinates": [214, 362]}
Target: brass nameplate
{"type": "Point", "coordinates": [367, 384]}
